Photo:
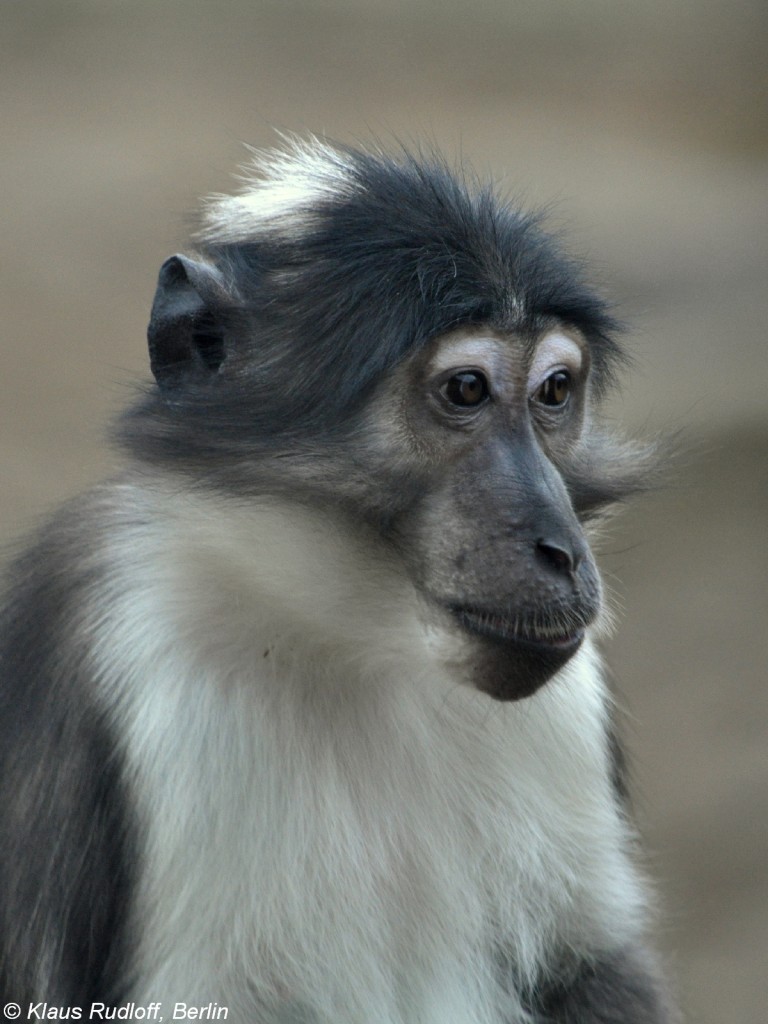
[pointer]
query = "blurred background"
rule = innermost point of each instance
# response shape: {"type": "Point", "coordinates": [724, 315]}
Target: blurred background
{"type": "Point", "coordinates": [643, 128]}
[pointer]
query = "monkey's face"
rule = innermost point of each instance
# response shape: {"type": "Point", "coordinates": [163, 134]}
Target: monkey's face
{"type": "Point", "coordinates": [484, 421]}
{"type": "Point", "coordinates": [293, 360]}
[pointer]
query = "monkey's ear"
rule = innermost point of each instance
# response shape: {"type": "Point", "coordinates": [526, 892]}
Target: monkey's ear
{"type": "Point", "coordinates": [186, 327]}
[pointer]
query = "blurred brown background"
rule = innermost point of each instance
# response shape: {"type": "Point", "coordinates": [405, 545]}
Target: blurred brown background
{"type": "Point", "coordinates": [645, 127]}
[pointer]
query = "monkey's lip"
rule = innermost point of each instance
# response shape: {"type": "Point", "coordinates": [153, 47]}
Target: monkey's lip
{"type": "Point", "coordinates": [536, 635]}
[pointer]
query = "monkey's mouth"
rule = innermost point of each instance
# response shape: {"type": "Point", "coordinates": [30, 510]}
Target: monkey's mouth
{"type": "Point", "coordinates": [537, 636]}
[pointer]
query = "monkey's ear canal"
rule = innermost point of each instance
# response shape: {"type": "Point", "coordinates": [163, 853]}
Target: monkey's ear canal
{"type": "Point", "coordinates": [186, 327]}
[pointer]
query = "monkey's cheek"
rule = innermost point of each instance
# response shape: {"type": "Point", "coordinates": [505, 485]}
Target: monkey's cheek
{"type": "Point", "coordinates": [509, 671]}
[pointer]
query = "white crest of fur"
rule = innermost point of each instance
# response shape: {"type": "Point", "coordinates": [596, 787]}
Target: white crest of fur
{"type": "Point", "coordinates": [330, 820]}
{"type": "Point", "coordinates": [281, 188]}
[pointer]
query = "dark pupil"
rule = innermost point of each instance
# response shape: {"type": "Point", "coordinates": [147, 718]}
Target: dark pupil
{"type": "Point", "coordinates": [554, 390]}
{"type": "Point", "coordinates": [466, 389]}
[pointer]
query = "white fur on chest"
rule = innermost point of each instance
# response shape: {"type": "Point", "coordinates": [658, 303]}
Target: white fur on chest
{"type": "Point", "coordinates": [330, 821]}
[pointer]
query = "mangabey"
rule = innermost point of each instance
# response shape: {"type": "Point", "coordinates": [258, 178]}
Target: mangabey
{"type": "Point", "coordinates": [302, 715]}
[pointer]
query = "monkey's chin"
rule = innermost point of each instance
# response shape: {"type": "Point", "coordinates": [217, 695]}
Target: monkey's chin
{"type": "Point", "coordinates": [509, 662]}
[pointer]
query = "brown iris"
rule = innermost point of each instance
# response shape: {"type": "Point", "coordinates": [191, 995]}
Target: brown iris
{"type": "Point", "coordinates": [555, 389]}
{"type": "Point", "coordinates": [467, 388]}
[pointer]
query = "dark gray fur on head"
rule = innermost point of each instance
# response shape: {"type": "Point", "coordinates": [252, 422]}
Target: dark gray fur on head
{"type": "Point", "coordinates": [296, 318]}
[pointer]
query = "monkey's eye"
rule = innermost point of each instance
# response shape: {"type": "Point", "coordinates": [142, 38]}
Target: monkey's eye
{"type": "Point", "coordinates": [555, 390]}
{"type": "Point", "coordinates": [468, 388]}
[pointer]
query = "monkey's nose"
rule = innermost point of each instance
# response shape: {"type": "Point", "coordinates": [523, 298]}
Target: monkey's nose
{"type": "Point", "coordinates": [559, 554]}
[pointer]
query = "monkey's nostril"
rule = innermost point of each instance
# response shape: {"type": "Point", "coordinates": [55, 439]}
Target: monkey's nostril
{"type": "Point", "coordinates": [559, 557]}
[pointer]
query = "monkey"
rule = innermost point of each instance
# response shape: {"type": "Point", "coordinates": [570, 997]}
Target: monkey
{"type": "Point", "coordinates": [302, 713]}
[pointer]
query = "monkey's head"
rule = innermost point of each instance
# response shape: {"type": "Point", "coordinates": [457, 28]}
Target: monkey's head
{"type": "Point", "coordinates": [389, 342]}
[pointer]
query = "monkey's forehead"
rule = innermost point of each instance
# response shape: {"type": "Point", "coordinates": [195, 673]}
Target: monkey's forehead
{"type": "Point", "coordinates": [355, 243]}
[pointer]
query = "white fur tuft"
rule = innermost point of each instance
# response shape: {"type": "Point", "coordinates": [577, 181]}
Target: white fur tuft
{"type": "Point", "coordinates": [281, 189]}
